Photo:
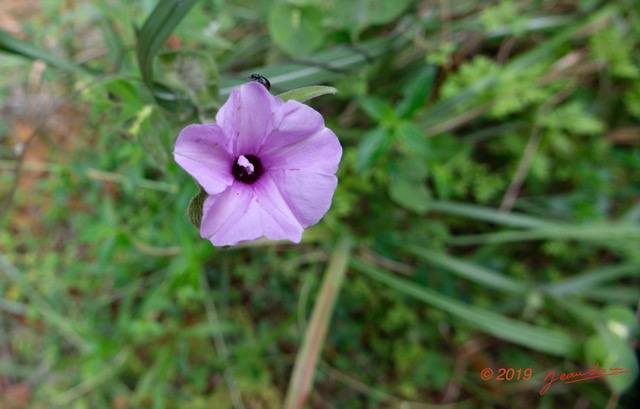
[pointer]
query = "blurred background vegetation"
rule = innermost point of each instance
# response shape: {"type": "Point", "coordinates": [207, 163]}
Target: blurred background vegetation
{"type": "Point", "coordinates": [489, 190]}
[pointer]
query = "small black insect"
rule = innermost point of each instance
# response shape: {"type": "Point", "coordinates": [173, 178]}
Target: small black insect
{"type": "Point", "coordinates": [262, 80]}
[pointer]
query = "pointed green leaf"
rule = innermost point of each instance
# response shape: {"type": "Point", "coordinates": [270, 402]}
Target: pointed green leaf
{"type": "Point", "coordinates": [416, 91]}
{"type": "Point", "coordinates": [307, 93]}
{"type": "Point", "coordinates": [374, 144]}
{"type": "Point", "coordinates": [378, 109]}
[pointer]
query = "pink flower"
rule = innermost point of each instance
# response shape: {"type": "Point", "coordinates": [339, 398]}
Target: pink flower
{"type": "Point", "coordinates": [267, 166]}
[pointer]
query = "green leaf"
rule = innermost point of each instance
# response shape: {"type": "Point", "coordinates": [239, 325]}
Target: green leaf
{"type": "Point", "coordinates": [412, 139]}
{"type": "Point", "coordinates": [354, 15]}
{"type": "Point", "coordinates": [195, 207]}
{"type": "Point", "coordinates": [12, 45]}
{"type": "Point", "coordinates": [620, 321]}
{"type": "Point", "coordinates": [541, 339]}
{"type": "Point", "coordinates": [408, 185]}
{"type": "Point", "coordinates": [307, 93]}
{"type": "Point", "coordinates": [410, 195]}
{"type": "Point", "coordinates": [416, 92]}
{"type": "Point", "coordinates": [608, 351]}
{"type": "Point", "coordinates": [374, 144]}
{"type": "Point", "coordinates": [155, 31]}
{"type": "Point", "coordinates": [297, 30]}
{"type": "Point", "coordinates": [378, 109]}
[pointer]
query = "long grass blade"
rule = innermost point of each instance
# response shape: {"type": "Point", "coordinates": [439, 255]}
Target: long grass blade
{"type": "Point", "coordinates": [10, 44]}
{"type": "Point", "coordinates": [592, 280]}
{"type": "Point", "coordinates": [155, 31]}
{"type": "Point", "coordinates": [541, 339]}
{"type": "Point", "coordinates": [473, 272]}
{"type": "Point", "coordinates": [305, 365]}
{"type": "Point", "coordinates": [488, 214]}
{"type": "Point", "coordinates": [591, 232]}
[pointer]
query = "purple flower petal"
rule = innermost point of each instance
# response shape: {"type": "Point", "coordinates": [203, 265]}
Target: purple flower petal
{"type": "Point", "coordinates": [319, 152]}
{"type": "Point", "coordinates": [248, 117]}
{"type": "Point", "coordinates": [247, 212]}
{"type": "Point", "coordinates": [308, 205]}
{"type": "Point", "coordinates": [200, 151]}
{"type": "Point", "coordinates": [297, 121]}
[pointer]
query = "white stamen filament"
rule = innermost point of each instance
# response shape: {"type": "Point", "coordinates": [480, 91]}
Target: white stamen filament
{"type": "Point", "coordinates": [244, 162]}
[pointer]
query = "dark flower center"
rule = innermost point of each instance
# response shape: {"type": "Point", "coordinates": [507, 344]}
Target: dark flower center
{"type": "Point", "coordinates": [247, 169]}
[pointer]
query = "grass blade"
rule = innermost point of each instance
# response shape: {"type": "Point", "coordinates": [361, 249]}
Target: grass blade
{"type": "Point", "coordinates": [304, 368]}
{"type": "Point", "coordinates": [155, 31]}
{"type": "Point", "coordinates": [321, 68]}
{"type": "Point", "coordinates": [541, 339]}
{"type": "Point", "coordinates": [12, 45]}
{"type": "Point", "coordinates": [487, 214]}
{"type": "Point", "coordinates": [478, 274]}
{"type": "Point", "coordinates": [591, 232]}
{"type": "Point", "coordinates": [591, 280]}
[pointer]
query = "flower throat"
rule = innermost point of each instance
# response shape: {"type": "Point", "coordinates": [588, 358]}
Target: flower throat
{"type": "Point", "coordinates": [247, 169]}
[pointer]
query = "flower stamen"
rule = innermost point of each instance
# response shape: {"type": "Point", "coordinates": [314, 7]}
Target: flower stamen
{"type": "Point", "coordinates": [247, 169]}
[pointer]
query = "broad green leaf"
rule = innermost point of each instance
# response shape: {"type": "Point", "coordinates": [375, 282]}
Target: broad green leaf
{"type": "Point", "coordinates": [355, 15]}
{"type": "Point", "coordinates": [408, 184]}
{"type": "Point", "coordinates": [297, 30]}
{"type": "Point", "coordinates": [412, 139]}
{"type": "Point", "coordinates": [378, 109]}
{"type": "Point", "coordinates": [410, 195]}
{"type": "Point", "coordinates": [551, 341]}
{"type": "Point", "coordinates": [307, 93]}
{"type": "Point", "coordinates": [12, 45]}
{"type": "Point", "coordinates": [620, 321]}
{"type": "Point", "coordinates": [155, 31]}
{"type": "Point", "coordinates": [304, 368]}
{"type": "Point", "coordinates": [416, 91]}
{"type": "Point", "coordinates": [374, 144]}
{"type": "Point", "coordinates": [608, 351]}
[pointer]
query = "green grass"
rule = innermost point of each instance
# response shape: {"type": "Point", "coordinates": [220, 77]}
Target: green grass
{"type": "Point", "coordinates": [486, 214]}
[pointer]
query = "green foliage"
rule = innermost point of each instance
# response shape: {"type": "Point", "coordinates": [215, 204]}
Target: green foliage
{"type": "Point", "coordinates": [296, 29]}
{"type": "Point", "coordinates": [512, 90]}
{"type": "Point", "coordinates": [618, 58]}
{"type": "Point", "coordinates": [109, 298]}
{"type": "Point", "coordinates": [505, 13]}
